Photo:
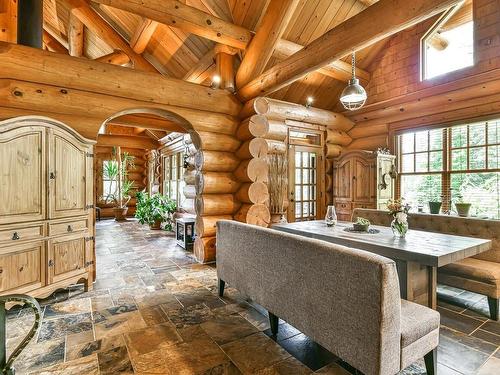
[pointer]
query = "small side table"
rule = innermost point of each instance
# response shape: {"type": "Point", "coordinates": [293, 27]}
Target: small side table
{"type": "Point", "coordinates": [184, 232]}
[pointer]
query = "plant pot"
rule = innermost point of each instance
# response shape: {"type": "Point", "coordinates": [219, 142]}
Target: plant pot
{"type": "Point", "coordinates": [278, 219]}
{"type": "Point", "coordinates": [361, 227]}
{"type": "Point", "coordinates": [156, 225]}
{"type": "Point", "coordinates": [434, 207]}
{"type": "Point", "coordinates": [120, 213]}
{"type": "Point", "coordinates": [463, 209]}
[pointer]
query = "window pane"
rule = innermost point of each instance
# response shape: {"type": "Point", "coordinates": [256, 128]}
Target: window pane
{"type": "Point", "coordinates": [459, 136]}
{"type": "Point", "coordinates": [418, 190]}
{"type": "Point", "coordinates": [493, 157]}
{"type": "Point", "coordinates": [298, 159]}
{"type": "Point", "coordinates": [477, 134]}
{"type": "Point", "coordinates": [422, 163]}
{"type": "Point", "coordinates": [421, 141]}
{"type": "Point", "coordinates": [477, 158]}
{"type": "Point", "coordinates": [408, 162]}
{"type": "Point", "coordinates": [479, 189]}
{"type": "Point", "coordinates": [305, 191]}
{"type": "Point", "coordinates": [305, 159]}
{"type": "Point", "coordinates": [458, 53]}
{"type": "Point", "coordinates": [459, 159]}
{"type": "Point", "coordinates": [493, 132]}
{"type": "Point", "coordinates": [436, 139]}
{"type": "Point", "coordinates": [408, 144]}
{"type": "Point", "coordinates": [436, 161]}
{"type": "Point", "coordinates": [298, 193]}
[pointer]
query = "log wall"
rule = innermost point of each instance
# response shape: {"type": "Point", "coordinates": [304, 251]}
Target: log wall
{"type": "Point", "coordinates": [263, 131]}
{"type": "Point", "coordinates": [398, 99]}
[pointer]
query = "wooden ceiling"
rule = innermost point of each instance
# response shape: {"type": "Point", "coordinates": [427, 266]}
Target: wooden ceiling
{"type": "Point", "coordinates": [175, 53]}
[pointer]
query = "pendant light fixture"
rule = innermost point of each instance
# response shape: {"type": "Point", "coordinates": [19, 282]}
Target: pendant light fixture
{"type": "Point", "coordinates": [354, 95]}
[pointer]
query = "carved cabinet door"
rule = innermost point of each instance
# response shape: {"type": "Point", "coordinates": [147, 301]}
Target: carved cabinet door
{"type": "Point", "coordinates": [22, 171]}
{"type": "Point", "coordinates": [363, 180]}
{"type": "Point", "coordinates": [343, 173]}
{"type": "Point", "coordinates": [67, 173]}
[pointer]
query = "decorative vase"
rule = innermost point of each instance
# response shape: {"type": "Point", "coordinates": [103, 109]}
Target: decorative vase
{"type": "Point", "coordinates": [463, 209]}
{"type": "Point", "coordinates": [434, 207]}
{"type": "Point", "coordinates": [120, 213]}
{"type": "Point", "coordinates": [399, 229]}
{"type": "Point", "coordinates": [156, 225]}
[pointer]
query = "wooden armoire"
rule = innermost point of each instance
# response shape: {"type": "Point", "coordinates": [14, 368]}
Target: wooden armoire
{"type": "Point", "coordinates": [46, 207]}
{"type": "Point", "coordinates": [362, 179]}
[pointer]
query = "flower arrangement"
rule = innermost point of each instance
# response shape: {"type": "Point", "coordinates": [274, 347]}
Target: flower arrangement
{"type": "Point", "coordinates": [399, 211]}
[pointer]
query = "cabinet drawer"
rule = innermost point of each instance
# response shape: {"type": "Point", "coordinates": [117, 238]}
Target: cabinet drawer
{"type": "Point", "coordinates": [22, 267]}
{"type": "Point", "coordinates": [22, 232]}
{"type": "Point", "coordinates": [68, 226]}
{"type": "Point", "coordinates": [343, 207]}
{"type": "Point", "coordinates": [364, 205]}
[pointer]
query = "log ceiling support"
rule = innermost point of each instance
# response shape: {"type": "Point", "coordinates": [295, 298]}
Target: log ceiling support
{"type": "Point", "coordinates": [339, 70]}
{"type": "Point", "coordinates": [75, 36]}
{"type": "Point", "coordinates": [262, 45]}
{"type": "Point", "coordinates": [142, 35]}
{"type": "Point", "coordinates": [52, 44]}
{"type": "Point", "coordinates": [202, 70]}
{"type": "Point", "coordinates": [8, 21]}
{"type": "Point", "coordinates": [353, 34]}
{"type": "Point", "coordinates": [177, 14]}
{"type": "Point", "coordinates": [225, 70]}
{"type": "Point", "coordinates": [116, 57]}
{"type": "Point", "coordinates": [81, 10]}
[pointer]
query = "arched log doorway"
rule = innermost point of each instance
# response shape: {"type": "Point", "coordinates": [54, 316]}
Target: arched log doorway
{"type": "Point", "coordinates": [205, 198]}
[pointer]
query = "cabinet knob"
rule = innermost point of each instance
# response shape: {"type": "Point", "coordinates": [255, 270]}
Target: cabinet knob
{"type": "Point", "coordinates": [51, 263]}
{"type": "Point", "coordinates": [52, 175]}
{"type": "Point", "coordinates": [15, 236]}
{"type": "Point", "coordinates": [1, 270]}
{"type": "Point", "coordinates": [70, 229]}
{"type": "Point", "coordinates": [21, 269]}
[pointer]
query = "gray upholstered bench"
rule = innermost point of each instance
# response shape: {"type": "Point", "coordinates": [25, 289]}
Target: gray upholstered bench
{"type": "Point", "coordinates": [345, 299]}
{"type": "Point", "coordinates": [480, 273]}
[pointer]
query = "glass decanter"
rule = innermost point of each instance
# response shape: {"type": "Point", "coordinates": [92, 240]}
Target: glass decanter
{"type": "Point", "coordinates": [331, 216]}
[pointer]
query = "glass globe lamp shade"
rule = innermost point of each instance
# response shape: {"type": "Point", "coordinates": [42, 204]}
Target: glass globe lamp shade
{"type": "Point", "coordinates": [354, 95]}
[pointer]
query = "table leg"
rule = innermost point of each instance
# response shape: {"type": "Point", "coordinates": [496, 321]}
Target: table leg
{"type": "Point", "coordinates": [417, 283]}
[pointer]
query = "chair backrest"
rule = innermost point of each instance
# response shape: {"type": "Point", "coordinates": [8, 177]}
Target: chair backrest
{"type": "Point", "coordinates": [345, 299]}
{"type": "Point", "coordinates": [460, 226]}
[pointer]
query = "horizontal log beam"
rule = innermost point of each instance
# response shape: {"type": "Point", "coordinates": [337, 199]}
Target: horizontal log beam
{"type": "Point", "coordinates": [130, 141]}
{"type": "Point", "coordinates": [355, 33]}
{"type": "Point", "coordinates": [113, 81]}
{"type": "Point", "coordinates": [177, 14]}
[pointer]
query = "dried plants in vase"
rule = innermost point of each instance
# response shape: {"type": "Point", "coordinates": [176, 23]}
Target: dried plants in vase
{"type": "Point", "coordinates": [278, 184]}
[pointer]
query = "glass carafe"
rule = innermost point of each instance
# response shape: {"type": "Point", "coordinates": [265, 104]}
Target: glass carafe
{"type": "Point", "coordinates": [331, 216]}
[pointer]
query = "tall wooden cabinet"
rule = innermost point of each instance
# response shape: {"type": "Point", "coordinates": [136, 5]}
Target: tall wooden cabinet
{"type": "Point", "coordinates": [46, 207]}
{"type": "Point", "coordinates": [362, 179]}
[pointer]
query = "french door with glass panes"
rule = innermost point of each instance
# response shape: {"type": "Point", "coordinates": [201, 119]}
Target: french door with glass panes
{"type": "Point", "coordinates": [304, 183]}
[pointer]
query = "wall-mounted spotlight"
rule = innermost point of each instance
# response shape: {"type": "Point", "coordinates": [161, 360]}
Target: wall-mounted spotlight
{"type": "Point", "coordinates": [215, 82]}
{"type": "Point", "coordinates": [309, 101]}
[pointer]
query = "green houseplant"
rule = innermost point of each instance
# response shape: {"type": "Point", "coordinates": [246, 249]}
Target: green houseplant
{"type": "Point", "coordinates": [435, 203]}
{"type": "Point", "coordinates": [120, 187]}
{"type": "Point", "coordinates": [462, 207]}
{"type": "Point", "coordinates": [155, 210]}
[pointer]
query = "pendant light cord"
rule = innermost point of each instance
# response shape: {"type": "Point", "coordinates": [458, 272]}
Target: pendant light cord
{"type": "Point", "coordinates": [353, 64]}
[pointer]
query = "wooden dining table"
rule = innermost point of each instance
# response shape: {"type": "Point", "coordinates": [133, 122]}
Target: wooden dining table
{"type": "Point", "coordinates": [417, 256]}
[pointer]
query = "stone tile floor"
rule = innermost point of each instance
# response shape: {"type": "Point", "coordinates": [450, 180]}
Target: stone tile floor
{"type": "Point", "coordinates": [153, 310]}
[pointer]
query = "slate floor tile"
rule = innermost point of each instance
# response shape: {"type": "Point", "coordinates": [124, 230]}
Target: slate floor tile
{"type": "Point", "coordinates": [308, 352]}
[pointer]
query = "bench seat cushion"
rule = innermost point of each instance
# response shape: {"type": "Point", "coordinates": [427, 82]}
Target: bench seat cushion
{"type": "Point", "coordinates": [416, 322]}
{"type": "Point", "coordinates": [419, 332]}
{"type": "Point", "coordinates": [475, 269]}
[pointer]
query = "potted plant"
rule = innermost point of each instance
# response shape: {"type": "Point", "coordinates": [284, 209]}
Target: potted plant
{"type": "Point", "coordinates": [155, 210]}
{"type": "Point", "coordinates": [119, 188]}
{"type": "Point", "coordinates": [435, 204]}
{"type": "Point", "coordinates": [361, 224]}
{"type": "Point", "coordinates": [462, 207]}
